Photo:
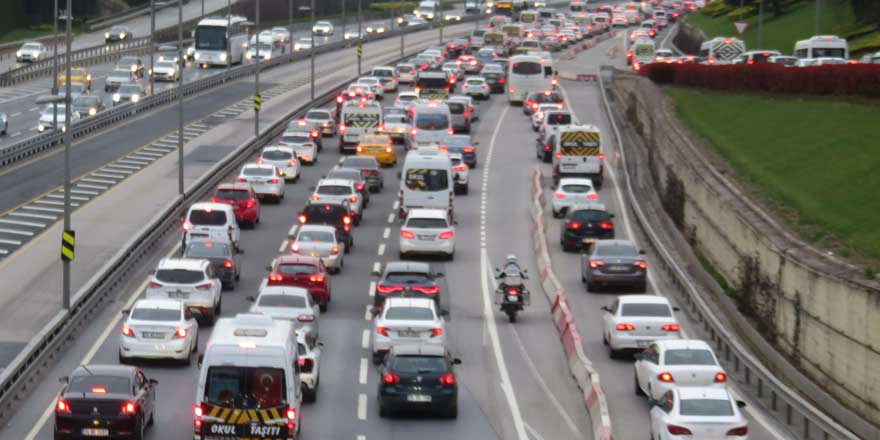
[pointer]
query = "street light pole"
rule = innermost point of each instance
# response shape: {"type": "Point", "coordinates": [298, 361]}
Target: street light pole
{"type": "Point", "coordinates": [343, 17]}
{"type": "Point", "coordinates": [761, 25]}
{"type": "Point", "coordinates": [152, 41]}
{"type": "Point", "coordinates": [228, 40]}
{"type": "Point", "coordinates": [65, 301]}
{"type": "Point", "coordinates": [55, 56]}
{"type": "Point", "coordinates": [290, 25]}
{"type": "Point", "coordinates": [179, 98]}
{"type": "Point", "coordinates": [360, 35]}
{"type": "Point", "coordinates": [257, 74]}
{"type": "Point", "coordinates": [818, 14]}
{"type": "Point", "coordinates": [312, 51]}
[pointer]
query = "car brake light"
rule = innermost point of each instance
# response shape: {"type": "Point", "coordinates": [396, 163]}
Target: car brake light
{"type": "Point", "coordinates": [342, 128]}
{"type": "Point", "coordinates": [460, 168]}
{"type": "Point", "coordinates": [446, 235]}
{"type": "Point", "coordinates": [292, 162]}
{"type": "Point", "coordinates": [606, 225]}
{"type": "Point", "coordinates": [205, 286]}
{"type": "Point", "coordinates": [573, 225]}
{"type": "Point", "coordinates": [227, 264]}
{"type": "Point", "coordinates": [317, 278]}
{"type": "Point", "coordinates": [240, 179]}
{"type": "Point", "coordinates": [426, 290]}
{"type": "Point", "coordinates": [741, 431]}
{"type": "Point", "coordinates": [339, 99]}
{"type": "Point", "coordinates": [302, 218]}
{"type": "Point", "coordinates": [447, 380]}
{"type": "Point", "coordinates": [558, 155]}
{"type": "Point", "coordinates": [306, 318]}
{"type": "Point", "coordinates": [388, 149]}
{"type": "Point", "coordinates": [390, 379]}
{"type": "Point", "coordinates": [275, 277]}
{"type": "Point", "coordinates": [388, 289]}
{"type": "Point", "coordinates": [678, 430]}
{"type": "Point", "coordinates": [127, 331]}
{"type": "Point", "coordinates": [316, 197]}
{"type": "Point", "coordinates": [99, 390]}
{"type": "Point", "coordinates": [154, 285]}
{"type": "Point", "coordinates": [273, 180]}
{"type": "Point", "coordinates": [641, 265]}
{"type": "Point", "coordinates": [665, 377]}
{"type": "Point", "coordinates": [249, 204]}
{"type": "Point", "coordinates": [359, 149]}
{"type": "Point", "coordinates": [437, 331]}
{"type": "Point", "coordinates": [180, 333]}
{"type": "Point", "coordinates": [450, 131]}
{"type": "Point", "coordinates": [534, 106]}
{"type": "Point", "coordinates": [592, 196]}
{"type": "Point", "coordinates": [62, 406]}
{"type": "Point", "coordinates": [559, 195]}
{"type": "Point", "coordinates": [623, 327]}
{"type": "Point", "coordinates": [468, 149]}
{"type": "Point", "coordinates": [129, 408]}
{"type": "Point", "coordinates": [601, 155]}
{"type": "Point", "coordinates": [334, 250]}
{"type": "Point", "coordinates": [354, 199]}
{"type": "Point", "coordinates": [670, 327]}
{"type": "Point", "coordinates": [187, 225]}
{"type": "Point", "coordinates": [413, 132]}
{"type": "Point", "coordinates": [720, 377]}
{"type": "Point", "coordinates": [407, 234]}
{"type": "Point", "coordinates": [294, 248]}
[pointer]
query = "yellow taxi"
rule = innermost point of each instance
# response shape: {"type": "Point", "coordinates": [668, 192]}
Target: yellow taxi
{"type": "Point", "coordinates": [379, 146]}
{"type": "Point", "coordinates": [77, 75]}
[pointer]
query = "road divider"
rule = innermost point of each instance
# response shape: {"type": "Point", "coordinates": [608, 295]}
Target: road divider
{"type": "Point", "coordinates": [580, 367]}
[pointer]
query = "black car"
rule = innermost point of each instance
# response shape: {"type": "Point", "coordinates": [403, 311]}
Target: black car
{"type": "Point", "coordinates": [337, 215]}
{"type": "Point", "coordinates": [369, 168]}
{"type": "Point", "coordinates": [590, 221]}
{"type": "Point", "coordinates": [418, 378]}
{"type": "Point", "coordinates": [117, 34]}
{"type": "Point", "coordinates": [495, 77]}
{"type": "Point", "coordinates": [133, 64]}
{"type": "Point", "coordinates": [408, 280]}
{"type": "Point", "coordinates": [223, 256]}
{"type": "Point", "coordinates": [462, 144]}
{"type": "Point", "coordinates": [360, 183]}
{"type": "Point", "coordinates": [111, 401]}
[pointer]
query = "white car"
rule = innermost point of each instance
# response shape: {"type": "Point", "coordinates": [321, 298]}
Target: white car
{"type": "Point", "coordinates": [406, 73]}
{"type": "Point", "coordinates": [375, 84]}
{"type": "Point", "coordinates": [453, 70]}
{"type": "Point", "coordinates": [698, 413]}
{"type": "Point", "coordinates": [405, 98]}
{"type": "Point", "coordinates": [386, 76]}
{"type": "Point", "coordinates": [303, 145]}
{"type": "Point", "coordinates": [158, 329]}
{"type": "Point", "coordinates": [288, 303]}
{"type": "Point", "coordinates": [375, 28]}
{"type": "Point", "coordinates": [322, 28]}
{"type": "Point", "coordinates": [352, 35]}
{"type": "Point", "coordinates": [537, 116]}
{"type": "Point", "coordinates": [281, 34]}
{"type": "Point", "coordinates": [166, 71]}
{"type": "Point", "coordinates": [309, 358]}
{"type": "Point", "coordinates": [633, 322]}
{"type": "Point", "coordinates": [304, 43]}
{"type": "Point", "coordinates": [264, 179]}
{"type": "Point", "coordinates": [320, 241]}
{"type": "Point", "coordinates": [31, 51]}
{"type": "Point", "coordinates": [460, 173]}
{"type": "Point", "coordinates": [283, 159]}
{"type": "Point", "coordinates": [321, 119]}
{"type": "Point", "coordinates": [476, 87]}
{"type": "Point", "coordinates": [571, 191]}
{"type": "Point", "coordinates": [210, 221]}
{"type": "Point", "coordinates": [48, 118]}
{"type": "Point", "coordinates": [677, 363]}
{"type": "Point", "coordinates": [265, 50]}
{"type": "Point", "coordinates": [407, 320]}
{"type": "Point", "coordinates": [427, 231]}
{"type": "Point", "coordinates": [339, 191]}
{"type": "Point", "coordinates": [191, 281]}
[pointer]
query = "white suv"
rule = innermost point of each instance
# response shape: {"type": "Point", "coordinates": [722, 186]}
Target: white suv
{"type": "Point", "coordinates": [427, 231]}
{"type": "Point", "coordinates": [191, 281]}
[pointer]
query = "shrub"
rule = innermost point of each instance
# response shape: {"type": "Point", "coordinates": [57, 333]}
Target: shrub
{"type": "Point", "coordinates": [716, 9]}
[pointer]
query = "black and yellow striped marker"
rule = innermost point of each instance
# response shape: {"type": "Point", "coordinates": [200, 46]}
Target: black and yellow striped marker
{"type": "Point", "coordinates": [258, 102]}
{"type": "Point", "coordinates": [360, 51]}
{"type": "Point", "coordinates": [68, 242]}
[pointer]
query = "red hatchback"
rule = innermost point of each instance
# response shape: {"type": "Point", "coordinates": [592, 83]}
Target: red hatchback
{"type": "Point", "coordinates": [243, 200]}
{"type": "Point", "coordinates": [302, 271]}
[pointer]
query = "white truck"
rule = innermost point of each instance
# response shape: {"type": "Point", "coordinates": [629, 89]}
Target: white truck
{"type": "Point", "coordinates": [356, 118]}
{"type": "Point", "coordinates": [721, 50]}
{"type": "Point", "coordinates": [577, 152]}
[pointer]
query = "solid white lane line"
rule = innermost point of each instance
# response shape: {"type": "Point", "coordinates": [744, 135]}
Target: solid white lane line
{"type": "Point", "coordinates": [396, 205]}
{"type": "Point", "coordinates": [16, 114]}
{"type": "Point", "coordinates": [283, 246]}
{"type": "Point", "coordinates": [391, 218]}
{"type": "Point", "coordinates": [362, 375]}
{"type": "Point", "coordinates": [372, 288]}
{"type": "Point", "coordinates": [362, 406]}
{"type": "Point", "coordinates": [381, 250]}
{"type": "Point", "coordinates": [361, 437]}
{"type": "Point", "coordinates": [111, 327]}
{"type": "Point", "coordinates": [365, 339]}
{"type": "Point", "coordinates": [16, 134]}
{"type": "Point", "coordinates": [386, 233]}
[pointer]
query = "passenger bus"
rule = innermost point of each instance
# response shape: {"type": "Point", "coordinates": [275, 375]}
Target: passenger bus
{"type": "Point", "coordinates": [504, 8]}
{"type": "Point", "coordinates": [220, 41]}
{"type": "Point", "coordinates": [528, 73]}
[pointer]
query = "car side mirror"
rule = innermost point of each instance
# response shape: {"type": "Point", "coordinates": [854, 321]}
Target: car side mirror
{"type": "Point", "coordinates": [740, 404]}
{"type": "Point", "coordinates": [64, 379]}
{"type": "Point", "coordinates": [251, 298]}
{"type": "Point", "coordinates": [154, 382]}
{"type": "Point", "coordinates": [456, 361]}
{"type": "Point", "coordinates": [641, 252]}
{"type": "Point", "coordinates": [373, 312]}
{"type": "Point", "coordinates": [676, 309]}
{"type": "Point", "coordinates": [444, 313]}
{"type": "Point", "coordinates": [438, 275]}
{"type": "Point", "coordinates": [653, 402]}
{"type": "Point", "coordinates": [201, 359]}
{"type": "Point", "coordinates": [606, 308]}
{"type": "Point", "coordinates": [126, 312]}
{"type": "Point", "coordinates": [240, 251]}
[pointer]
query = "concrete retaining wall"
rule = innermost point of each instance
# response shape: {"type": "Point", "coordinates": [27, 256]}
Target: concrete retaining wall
{"type": "Point", "coordinates": [820, 312]}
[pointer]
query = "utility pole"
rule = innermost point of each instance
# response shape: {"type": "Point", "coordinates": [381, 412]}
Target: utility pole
{"type": "Point", "coordinates": [343, 17]}
{"type": "Point", "coordinates": [55, 57]}
{"type": "Point", "coordinates": [360, 35]}
{"type": "Point", "coordinates": [203, 8]}
{"type": "Point", "coordinates": [290, 25]}
{"type": "Point", "coordinates": [152, 42]}
{"type": "Point", "coordinates": [818, 14]}
{"type": "Point", "coordinates": [65, 301]}
{"type": "Point", "coordinates": [402, 31]}
{"type": "Point", "coordinates": [228, 40]}
{"type": "Point", "coordinates": [257, 75]}
{"type": "Point", "coordinates": [312, 51]}
{"type": "Point", "coordinates": [179, 98]}
{"type": "Point", "coordinates": [761, 24]}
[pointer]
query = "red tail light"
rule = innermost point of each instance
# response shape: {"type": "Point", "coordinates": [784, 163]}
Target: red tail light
{"type": "Point", "coordinates": [129, 408]}
{"type": "Point", "coordinates": [678, 430]}
{"type": "Point", "coordinates": [354, 199]}
{"type": "Point", "coordinates": [334, 250]}
{"type": "Point", "coordinates": [260, 161]}
{"type": "Point", "coordinates": [436, 332]}
{"type": "Point", "coordinates": [382, 330]}
{"type": "Point", "coordinates": [205, 286]}
{"type": "Point", "coordinates": [339, 99]}
{"type": "Point", "coordinates": [62, 406]}
{"type": "Point", "coordinates": [180, 333]}
{"type": "Point", "coordinates": [665, 377]}
{"type": "Point", "coordinates": [390, 379]}
{"type": "Point", "coordinates": [468, 149]}
{"type": "Point", "coordinates": [512, 292]}
{"type": "Point", "coordinates": [720, 377]}
{"type": "Point", "coordinates": [388, 289]}
{"type": "Point", "coordinates": [670, 327]}
{"type": "Point", "coordinates": [447, 380]}
{"type": "Point", "coordinates": [606, 225]}
{"type": "Point", "coordinates": [294, 248]}
{"type": "Point", "coordinates": [601, 155]}
{"type": "Point", "coordinates": [154, 285]}
{"type": "Point", "coordinates": [388, 149]}
{"type": "Point", "coordinates": [342, 128]}
{"type": "Point", "coordinates": [450, 131]}
{"type": "Point", "coordinates": [500, 80]}
{"type": "Point", "coordinates": [413, 132]}
{"type": "Point", "coordinates": [359, 149]}
{"type": "Point", "coordinates": [623, 327]}
{"type": "Point", "coordinates": [428, 290]}
{"type": "Point", "coordinates": [407, 234]}
{"type": "Point", "coordinates": [99, 390]}
{"type": "Point", "coordinates": [446, 235]}
{"type": "Point", "coordinates": [275, 277]}
{"type": "Point", "coordinates": [316, 279]}
{"type": "Point", "coordinates": [558, 155]}
{"type": "Point", "coordinates": [573, 225]}
{"type": "Point", "coordinates": [546, 147]}
{"type": "Point", "coordinates": [306, 318]}
{"type": "Point", "coordinates": [316, 197]}
{"type": "Point", "coordinates": [240, 179]}
{"type": "Point", "coordinates": [127, 331]}
{"type": "Point", "coordinates": [302, 218]}
{"type": "Point", "coordinates": [534, 106]}
{"type": "Point", "coordinates": [273, 180]}
{"type": "Point", "coordinates": [742, 431]}
{"type": "Point", "coordinates": [249, 204]}
{"type": "Point", "coordinates": [592, 196]}
{"type": "Point", "coordinates": [291, 162]}
{"type": "Point", "coordinates": [641, 265]}
{"type": "Point", "coordinates": [227, 264]}
{"type": "Point", "coordinates": [197, 418]}
{"type": "Point", "coordinates": [291, 419]}
{"type": "Point", "coordinates": [559, 195]}
{"type": "Point", "coordinates": [460, 168]}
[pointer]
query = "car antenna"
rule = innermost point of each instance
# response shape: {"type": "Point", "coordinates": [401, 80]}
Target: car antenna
{"type": "Point", "coordinates": [87, 370]}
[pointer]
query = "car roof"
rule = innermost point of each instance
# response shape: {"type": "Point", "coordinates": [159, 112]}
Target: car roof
{"type": "Point", "coordinates": [409, 302]}
{"type": "Point", "coordinates": [679, 344]}
{"type": "Point", "coordinates": [104, 370]}
{"type": "Point", "coordinates": [642, 299]}
{"type": "Point", "coordinates": [713, 393]}
{"type": "Point", "coordinates": [258, 165]}
{"type": "Point", "coordinates": [575, 181]}
{"type": "Point", "coordinates": [210, 206]}
{"type": "Point", "coordinates": [418, 349]}
{"type": "Point", "coordinates": [427, 213]}
{"type": "Point", "coordinates": [157, 304]}
{"type": "Point", "coordinates": [278, 147]}
{"type": "Point", "coordinates": [297, 259]}
{"type": "Point", "coordinates": [343, 182]}
{"type": "Point", "coordinates": [182, 263]}
{"type": "Point", "coordinates": [316, 227]}
{"type": "Point", "coordinates": [407, 266]}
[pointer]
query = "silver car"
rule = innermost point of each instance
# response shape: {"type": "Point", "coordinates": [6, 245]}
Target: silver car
{"type": "Point", "coordinates": [129, 93]}
{"type": "Point", "coordinates": [117, 78]}
{"type": "Point", "coordinates": [303, 145]}
{"type": "Point", "coordinates": [158, 329]}
{"type": "Point", "coordinates": [48, 118]}
{"type": "Point", "coordinates": [292, 304]}
{"type": "Point", "coordinates": [338, 191]}
{"type": "Point", "coordinates": [284, 159]}
{"type": "Point", "coordinates": [31, 51]}
{"type": "Point", "coordinates": [88, 105]}
{"type": "Point", "coordinates": [320, 241]}
{"type": "Point", "coordinates": [4, 123]}
{"type": "Point", "coordinates": [322, 28]}
{"type": "Point", "coordinates": [264, 179]}
{"type": "Point", "coordinates": [166, 71]}
{"type": "Point", "coordinates": [321, 119]}
{"type": "Point", "coordinates": [614, 263]}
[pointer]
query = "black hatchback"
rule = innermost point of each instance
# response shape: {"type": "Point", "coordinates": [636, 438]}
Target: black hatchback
{"type": "Point", "coordinates": [111, 401]}
{"type": "Point", "coordinates": [418, 378]}
{"type": "Point", "coordinates": [337, 215]}
{"type": "Point", "coordinates": [407, 279]}
{"type": "Point", "coordinates": [585, 222]}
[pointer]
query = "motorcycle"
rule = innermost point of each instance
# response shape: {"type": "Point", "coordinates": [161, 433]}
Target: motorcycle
{"type": "Point", "coordinates": [512, 294]}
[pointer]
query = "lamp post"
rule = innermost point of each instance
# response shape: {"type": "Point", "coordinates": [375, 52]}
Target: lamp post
{"type": "Point", "coordinates": [343, 17]}
{"type": "Point", "coordinates": [180, 61]}
{"type": "Point", "coordinates": [152, 42]}
{"type": "Point", "coordinates": [312, 51]}
{"type": "Point", "coordinates": [290, 26]}
{"type": "Point", "coordinates": [257, 74]}
{"type": "Point", "coordinates": [54, 99]}
{"type": "Point", "coordinates": [67, 137]}
{"type": "Point", "coordinates": [55, 54]}
{"type": "Point", "coordinates": [360, 34]}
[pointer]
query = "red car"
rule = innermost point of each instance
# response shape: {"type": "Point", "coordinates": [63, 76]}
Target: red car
{"type": "Point", "coordinates": [243, 200]}
{"type": "Point", "coordinates": [302, 271]}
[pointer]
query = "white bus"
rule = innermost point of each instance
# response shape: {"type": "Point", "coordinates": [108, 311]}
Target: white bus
{"type": "Point", "coordinates": [822, 46]}
{"type": "Point", "coordinates": [528, 73]}
{"type": "Point", "coordinates": [213, 36]}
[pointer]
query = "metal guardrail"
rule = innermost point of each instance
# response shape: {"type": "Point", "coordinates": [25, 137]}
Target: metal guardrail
{"type": "Point", "coordinates": [21, 373]}
{"type": "Point", "coordinates": [795, 408]}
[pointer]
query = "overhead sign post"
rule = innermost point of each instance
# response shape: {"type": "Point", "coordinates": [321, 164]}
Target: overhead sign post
{"type": "Point", "coordinates": [741, 26]}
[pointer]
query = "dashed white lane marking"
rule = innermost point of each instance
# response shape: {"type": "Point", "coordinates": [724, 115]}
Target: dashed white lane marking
{"type": "Point", "coordinates": [386, 233]}
{"type": "Point", "coordinates": [37, 108]}
{"type": "Point", "coordinates": [16, 134]}
{"type": "Point", "coordinates": [396, 205]}
{"type": "Point", "coordinates": [365, 339]}
{"type": "Point", "coordinates": [362, 375]}
{"type": "Point", "coordinates": [391, 218]}
{"type": "Point", "coordinates": [377, 267]}
{"type": "Point", "coordinates": [361, 437]}
{"type": "Point", "coordinates": [283, 246]}
{"type": "Point", "coordinates": [381, 250]}
{"type": "Point", "coordinates": [362, 406]}
{"type": "Point", "coordinates": [372, 288]}
{"type": "Point", "coordinates": [15, 115]}
{"type": "Point", "coordinates": [368, 314]}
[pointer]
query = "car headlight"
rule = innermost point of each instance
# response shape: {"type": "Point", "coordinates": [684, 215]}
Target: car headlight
{"type": "Point", "coordinates": [116, 97]}
{"type": "Point", "coordinates": [197, 55]}
{"type": "Point", "coordinates": [93, 111]}
{"type": "Point", "coordinates": [135, 98]}
{"type": "Point", "coordinates": [122, 36]}
{"type": "Point", "coordinates": [18, 54]}
{"type": "Point", "coordinates": [430, 16]}
{"type": "Point", "coordinates": [223, 56]}
{"type": "Point", "coordinates": [106, 34]}
{"type": "Point", "coordinates": [269, 56]}
{"type": "Point", "coordinates": [41, 128]}
{"type": "Point", "coordinates": [64, 128]}
{"type": "Point", "coordinates": [134, 68]}
{"type": "Point", "coordinates": [190, 50]}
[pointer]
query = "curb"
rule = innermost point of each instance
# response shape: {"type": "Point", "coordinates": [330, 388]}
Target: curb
{"type": "Point", "coordinates": [579, 365]}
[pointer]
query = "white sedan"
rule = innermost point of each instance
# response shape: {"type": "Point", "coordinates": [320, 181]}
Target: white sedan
{"type": "Point", "coordinates": [572, 191]}
{"type": "Point", "coordinates": [476, 87]}
{"type": "Point", "coordinates": [304, 43]}
{"type": "Point", "coordinates": [460, 172]}
{"type": "Point", "coordinates": [158, 329]}
{"type": "Point", "coordinates": [537, 116]}
{"type": "Point", "coordinates": [189, 280]}
{"type": "Point", "coordinates": [427, 231]}
{"type": "Point", "coordinates": [283, 159]}
{"type": "Point", "coordinates": [405, 98]}
{"type": "Point", "coordinates": [633, 322]}
{"type": "Point", "coordinates": [676, 363]}
{"type": "Point", "coordinates": [264, 179]}
{"type": "Point", "coordinates": [289, 303]}
{"type": "Point", "coordinates": [303, 145]}
{"type": "Point", "coordinates": [323, 28]}
{"type": "Point", "coordinates": [698, 413]}
{"type": "Point", "coordinates": [407, 320]}
{"type": "Point", "coordinates": [309, 366]}
{"type": "Point", "coordinates": [166, 71]}
{"type": "Point", "coordinates": [375, 84]}
{"type": "Point", "coordinates": [320, 241]}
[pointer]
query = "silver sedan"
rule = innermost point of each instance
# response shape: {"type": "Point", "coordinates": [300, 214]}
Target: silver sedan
{"type": "Point", "coordinates": [265, 179]}
{"type": "Point", "coordinates": [288, 303]}
{"type": "Point", "coordinates": [320, 241]}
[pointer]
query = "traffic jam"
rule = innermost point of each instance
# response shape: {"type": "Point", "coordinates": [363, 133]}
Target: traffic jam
{"type": "Point", "coordinates": [405, 129]}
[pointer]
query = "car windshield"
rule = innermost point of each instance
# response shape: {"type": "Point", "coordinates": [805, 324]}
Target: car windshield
{"type": "Point", "coordinates": [297, 269]}
{"type": "Point", "coordinates": [456, 108]}
{"type": "Point", "coordinates": [120, 73]}
{"type": "Point", "coordinates": [616, 249]}
{"type": "Point", "coordinates": [418, 364]}
{"type": "Point", "coordinates": [88, 101]}
{"type": "Point", "coordinates": [276, 155]}
{"type": "Point", "coordinates": [432, 121]}
{"type": "Point", "coordinates": [688, 357]}
{"type": "Point", "coordinates": [407, 278]}
{"type": "Point", "coordinates": [330, 213]}
{"type": "Point", "coordinates": [296, 139]}
{"type": "Point", "coordinates": [359, 162]}
{"type": "Point", "coordinates": [318, 115]}
{"type": "Point", "coordinates": [526, 68]}
{"type": "Point", "coordinates": [347, 173]}
{"type": "Point", "coordinates": [646, 310]}
{"type": "Point", "coordinates": [93, 383]}
{"type": "Point", "coordinates": [257, 171]}
{"type": "Point", "coordinates": [31, 46]}
{"type": "Point", "coordinates": [426, 223]}
{"type": "Point", "coordinates": [179, 276]}
{"type": "Point", "coordinates": [129, 88]}
{"type": "Point", "coordinates": [558, 119]}
{"type": "Point", "coordinates": [295, 301]}
{"type": "Point", "coordinates": [410, 313]}
{"type": "Point", "coordinates": [395, 119]}
{"type": "Point", "coordinates": [456, 141]}
{"type": "Point", "coordinates": [705, 407]}
{"type": "Point", "coordinates": [405, 69]}
{"type": "Point", "coordinates": [155, 314]}
{"type": "Point", "coordinates": [245, 387]}
{"type": "Point", "coordinates": [385, 73]}
{"type": "Point", "coordinates": [576, 188]}
{"type": "Point", "coordinates": [334, 190]}
{"type": "Point", "coordinates": [165, 64]}
{"type": "Point", "coordinates": [211, 38]}
{"type": "Point", "coordinates": [423, 179]}
{"type": "Point", "coordinates": [232, 194]}
{"type": "Point", "coordinates": [475, 82]}
{"type": "Point", "coordinates": [207, 217]}
{"type": "Point", "coordinates": [206, 249]}
{"type": "Point", "coordinates": [589, 215]}
{"type": "Point", "coordinates": [316, 236]}
{"type": "Point", "coordinates": [118, 30]}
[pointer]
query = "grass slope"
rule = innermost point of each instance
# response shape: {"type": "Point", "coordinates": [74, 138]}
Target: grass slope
{"type": "Point", "coordinates": [817, 159]}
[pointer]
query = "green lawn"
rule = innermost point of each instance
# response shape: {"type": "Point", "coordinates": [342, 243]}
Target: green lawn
{"type": "Point", "coordinates": [797, 23]}
{"type": "Point", "coordinates": [816, 160]}
{"type": "Point", "coordinates": [23, 34]}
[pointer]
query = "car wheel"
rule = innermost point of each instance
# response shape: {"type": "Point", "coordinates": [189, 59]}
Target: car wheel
{"type": "Point", "coordinates": [590, 287]}
{"type": "Point", "coordinates": [309, 395]}
{"type": "Point", "coordinates": [377, 358]}
{"type": "Point", "coordinates": [122, 359]}
{"type": "Point", "coordinates": [638, 388]}
{"type": "Point", "coordinates": [323, 307]}
{"type": "Point", "coordinates": [555, 214]}
{"type": "Point", "coordinates": [450, 256]}
{"type": "Point", "coordinates": [642, 287]}
{"type": "Point", "coordinates": [464, 190]}
{"type": "Point", "coordinates": [139, 434]}
{"type": "Point", "coordinates": [384, 411]}
{"type": "Point", "coordinates": [452, 413]}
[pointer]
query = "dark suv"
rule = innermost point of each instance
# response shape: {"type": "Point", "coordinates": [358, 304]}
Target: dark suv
{"type": "Point", "coordinates": [587, 222]}
{"type": "Point", "coordinates": [337, 215]}
{"type": "Point", "coordinates": [418, 377]}
{"type": "Point", "coordinates": [407, 279]}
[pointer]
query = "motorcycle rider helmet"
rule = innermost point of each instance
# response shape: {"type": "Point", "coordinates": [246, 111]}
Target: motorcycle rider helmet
{"type": "Point", "coordinates": [511, 259]}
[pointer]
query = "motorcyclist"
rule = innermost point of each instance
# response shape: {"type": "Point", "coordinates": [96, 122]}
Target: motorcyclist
{"type": "Point", "coordinates": [512, 274]}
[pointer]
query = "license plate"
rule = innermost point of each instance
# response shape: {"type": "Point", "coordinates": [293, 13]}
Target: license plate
{"type": "Point", "coordinates": [569, 165]}
{"type": "Point", "coordinates": [178, 294]}
{"type": "Point", "coordinates": [153, 335]}
{"type": "Point", "coordinates": [421, 398]}
{"type": "Point", "coordinates": [642, 344]}
{"type": "Point", "coordinates": [96, 432]}
{"type": "Point", "coordinates": [408, 334]}
{"type": "Point", "coordinates": [618, 269]}
{"type": "Point", "coordinates": [588, 240]}
{"type": "Point", "coordinates": [199, 234]}
{"type": "Point", "coordinates": [426, 237]}
{"type": "Point", "coordinates": [512, 298]}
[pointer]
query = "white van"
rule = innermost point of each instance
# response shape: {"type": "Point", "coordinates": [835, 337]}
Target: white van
{"type": "Point", "coordinates": [431, 121]}
{"type": "Point", "coordinates": [249, 383]}
{"type": "Point", "coordinates": [356, 118]}
{"type": "Point", "coordinates": [722, 50]}
{"type": "Point", "coordinates": [822, 46]}
{"type": "Point", "coordinates": [528, 73]}
{"type": "Point", "coordinates": [427, 10]}
{"type": "Point", "coordinates": [426, 181]}
{"type": "Point", "coordinates": [210, 221]}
